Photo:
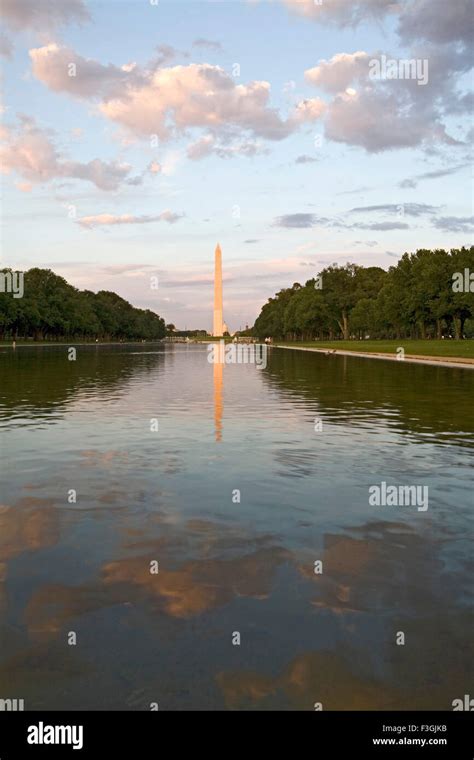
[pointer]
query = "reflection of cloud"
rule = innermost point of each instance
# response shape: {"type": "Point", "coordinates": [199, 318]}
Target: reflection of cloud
{"type": "Point", "coordinates": [27, 526]}
{"type": "Point", "coordinates": [199, 585]}
{"type": "Point", "coordinates": [387, 578]}
{"type": "Point", "coordinates": [95, 458]}
{"type": "Point", "coordinates": [51, 606]}
{"type": "Point", "coordinates": [374, 573]}
{"type": "Point", "coordinates": [188, 590]}
{"type": "Point", "coordinates": [382, 577]}
{"type": "Point", "coordinates": [31, 670]}
{"type": "Point", "coordinates": [311, 677]}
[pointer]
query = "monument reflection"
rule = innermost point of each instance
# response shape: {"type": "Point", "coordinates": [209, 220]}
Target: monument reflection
{"type": "Point", "coordinates": [218, 395]}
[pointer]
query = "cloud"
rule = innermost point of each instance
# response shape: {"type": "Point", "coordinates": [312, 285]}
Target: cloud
{"type": "Point", "coordinates": [198, 282]}
{"type": "Point", "coordinates": [407, 209]}
{"type": "Point", "coordinates": [463, 224]}
{"type": "Point", "coordinates": [171, 160]}
{"type": "Point", "coordinates": [305, 159]}
{"type": "Point", "coordinates": [30, 152]}
{"type": "Point", "coordinates": [167, 53]}
{"type": "Point", "coordinates": [435, 21]}
{"type": "Point", "coordinates": [382, 226]}
{"type": "Point", "coordinates": [62, 70]}
{"type": "Point", "coordinates": [380, 114]}
{"type": "Point", "coordinates": [154, 167]}
{"type": "Point", "coordinates": [170, 101]}
{"type": "Point", "coordinates": [337, 74]}
{"type": "Point", "coordinates": [342, 12]}
{"type": "Point", "coordinates": [201, 148]}
{"type": "Point", "coordinates": [127, 269]}
{"type": "Point", "coordinates": [383, 114]}
{"type": "Point", "coordinates": [412, 182]}
{"type": "Point", "coordinates": [304, 220]}
{"type": "Point", "coordinates": [77, 133]}
{"type": "Point", "coordinates": [379, 120]}
{"type": "Point", "coordinates": [207, 44]}
{"type": "Point", "coordinates": [369, 243]}
{"type": "Point", "coordinates": [296, 220]}
{"type": "Point", "coordinates": [25, 187]}
{"type": "Point", "coordinates": [395, 114]}
{"type": "Point", "coordinates": [362, 189]}
{"type": "Point", "coordinates": [6, 47]}
{"type": "Point", "coordinates": [107, 220]}
{"type": "Point", "coordinates": [208, 144]}
{"type": "Point", "coordinates": [43, 15]}
{"type": "Point", "coordinates": [251, 240]}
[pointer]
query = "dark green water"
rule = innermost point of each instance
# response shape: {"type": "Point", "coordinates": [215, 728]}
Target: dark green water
{"type": "Point", "coordinates": [227, 566]}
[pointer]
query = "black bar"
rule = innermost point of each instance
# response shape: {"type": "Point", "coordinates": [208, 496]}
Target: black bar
{"type": "Point", "coordinates": [161, 733]}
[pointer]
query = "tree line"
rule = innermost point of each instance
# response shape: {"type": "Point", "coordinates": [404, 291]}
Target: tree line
{"type": "Point", "coordinates": [428, 294]}
{"type": "Point", "coordinates": [50, 308]}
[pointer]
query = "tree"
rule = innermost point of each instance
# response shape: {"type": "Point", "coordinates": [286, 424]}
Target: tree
{"type": "Point", "coordinates": [339, 287]}
{"type": "Point", "coordinates": [462, 300]}
{"type": "Point", "coordinates": [415, 298]}
{"type": "Point", "coordinates": [52, 308]}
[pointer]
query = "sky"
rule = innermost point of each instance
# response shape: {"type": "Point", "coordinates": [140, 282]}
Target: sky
{"type": "Point", "coordinates": [136, 134]}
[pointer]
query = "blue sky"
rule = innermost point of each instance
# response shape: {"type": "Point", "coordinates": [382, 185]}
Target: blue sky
{"type": "Point", "coordinates": [270, 159]}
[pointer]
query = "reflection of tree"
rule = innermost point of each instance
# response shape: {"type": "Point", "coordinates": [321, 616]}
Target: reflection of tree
{"type": "Point", "coordinates": [39, 380]}
{"type": "Point", "coordinates": [419, 399]}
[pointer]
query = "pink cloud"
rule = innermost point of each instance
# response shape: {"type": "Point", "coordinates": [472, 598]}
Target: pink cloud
{"type": "Point", "coordinates": [169, 101]}
{"type": "Point", "coordinates": [43, 15]}
{"type": "Point", "coordinates": [30, 152]}
{"type": "Point", "coordinates": [107, 220]}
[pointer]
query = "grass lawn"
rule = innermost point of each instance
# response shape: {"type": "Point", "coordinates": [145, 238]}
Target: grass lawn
{"type": "Point", "coordinates": [447, 348]}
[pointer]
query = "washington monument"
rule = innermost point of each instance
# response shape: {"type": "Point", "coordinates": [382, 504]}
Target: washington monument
{"type": "Point", "coordinates": [218, 324]}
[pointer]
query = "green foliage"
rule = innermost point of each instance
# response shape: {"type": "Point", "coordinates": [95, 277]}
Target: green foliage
{"type": "Point", "coordinates": [51, 308]}
{"type": "Point", "coordinates": [413, 299]}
